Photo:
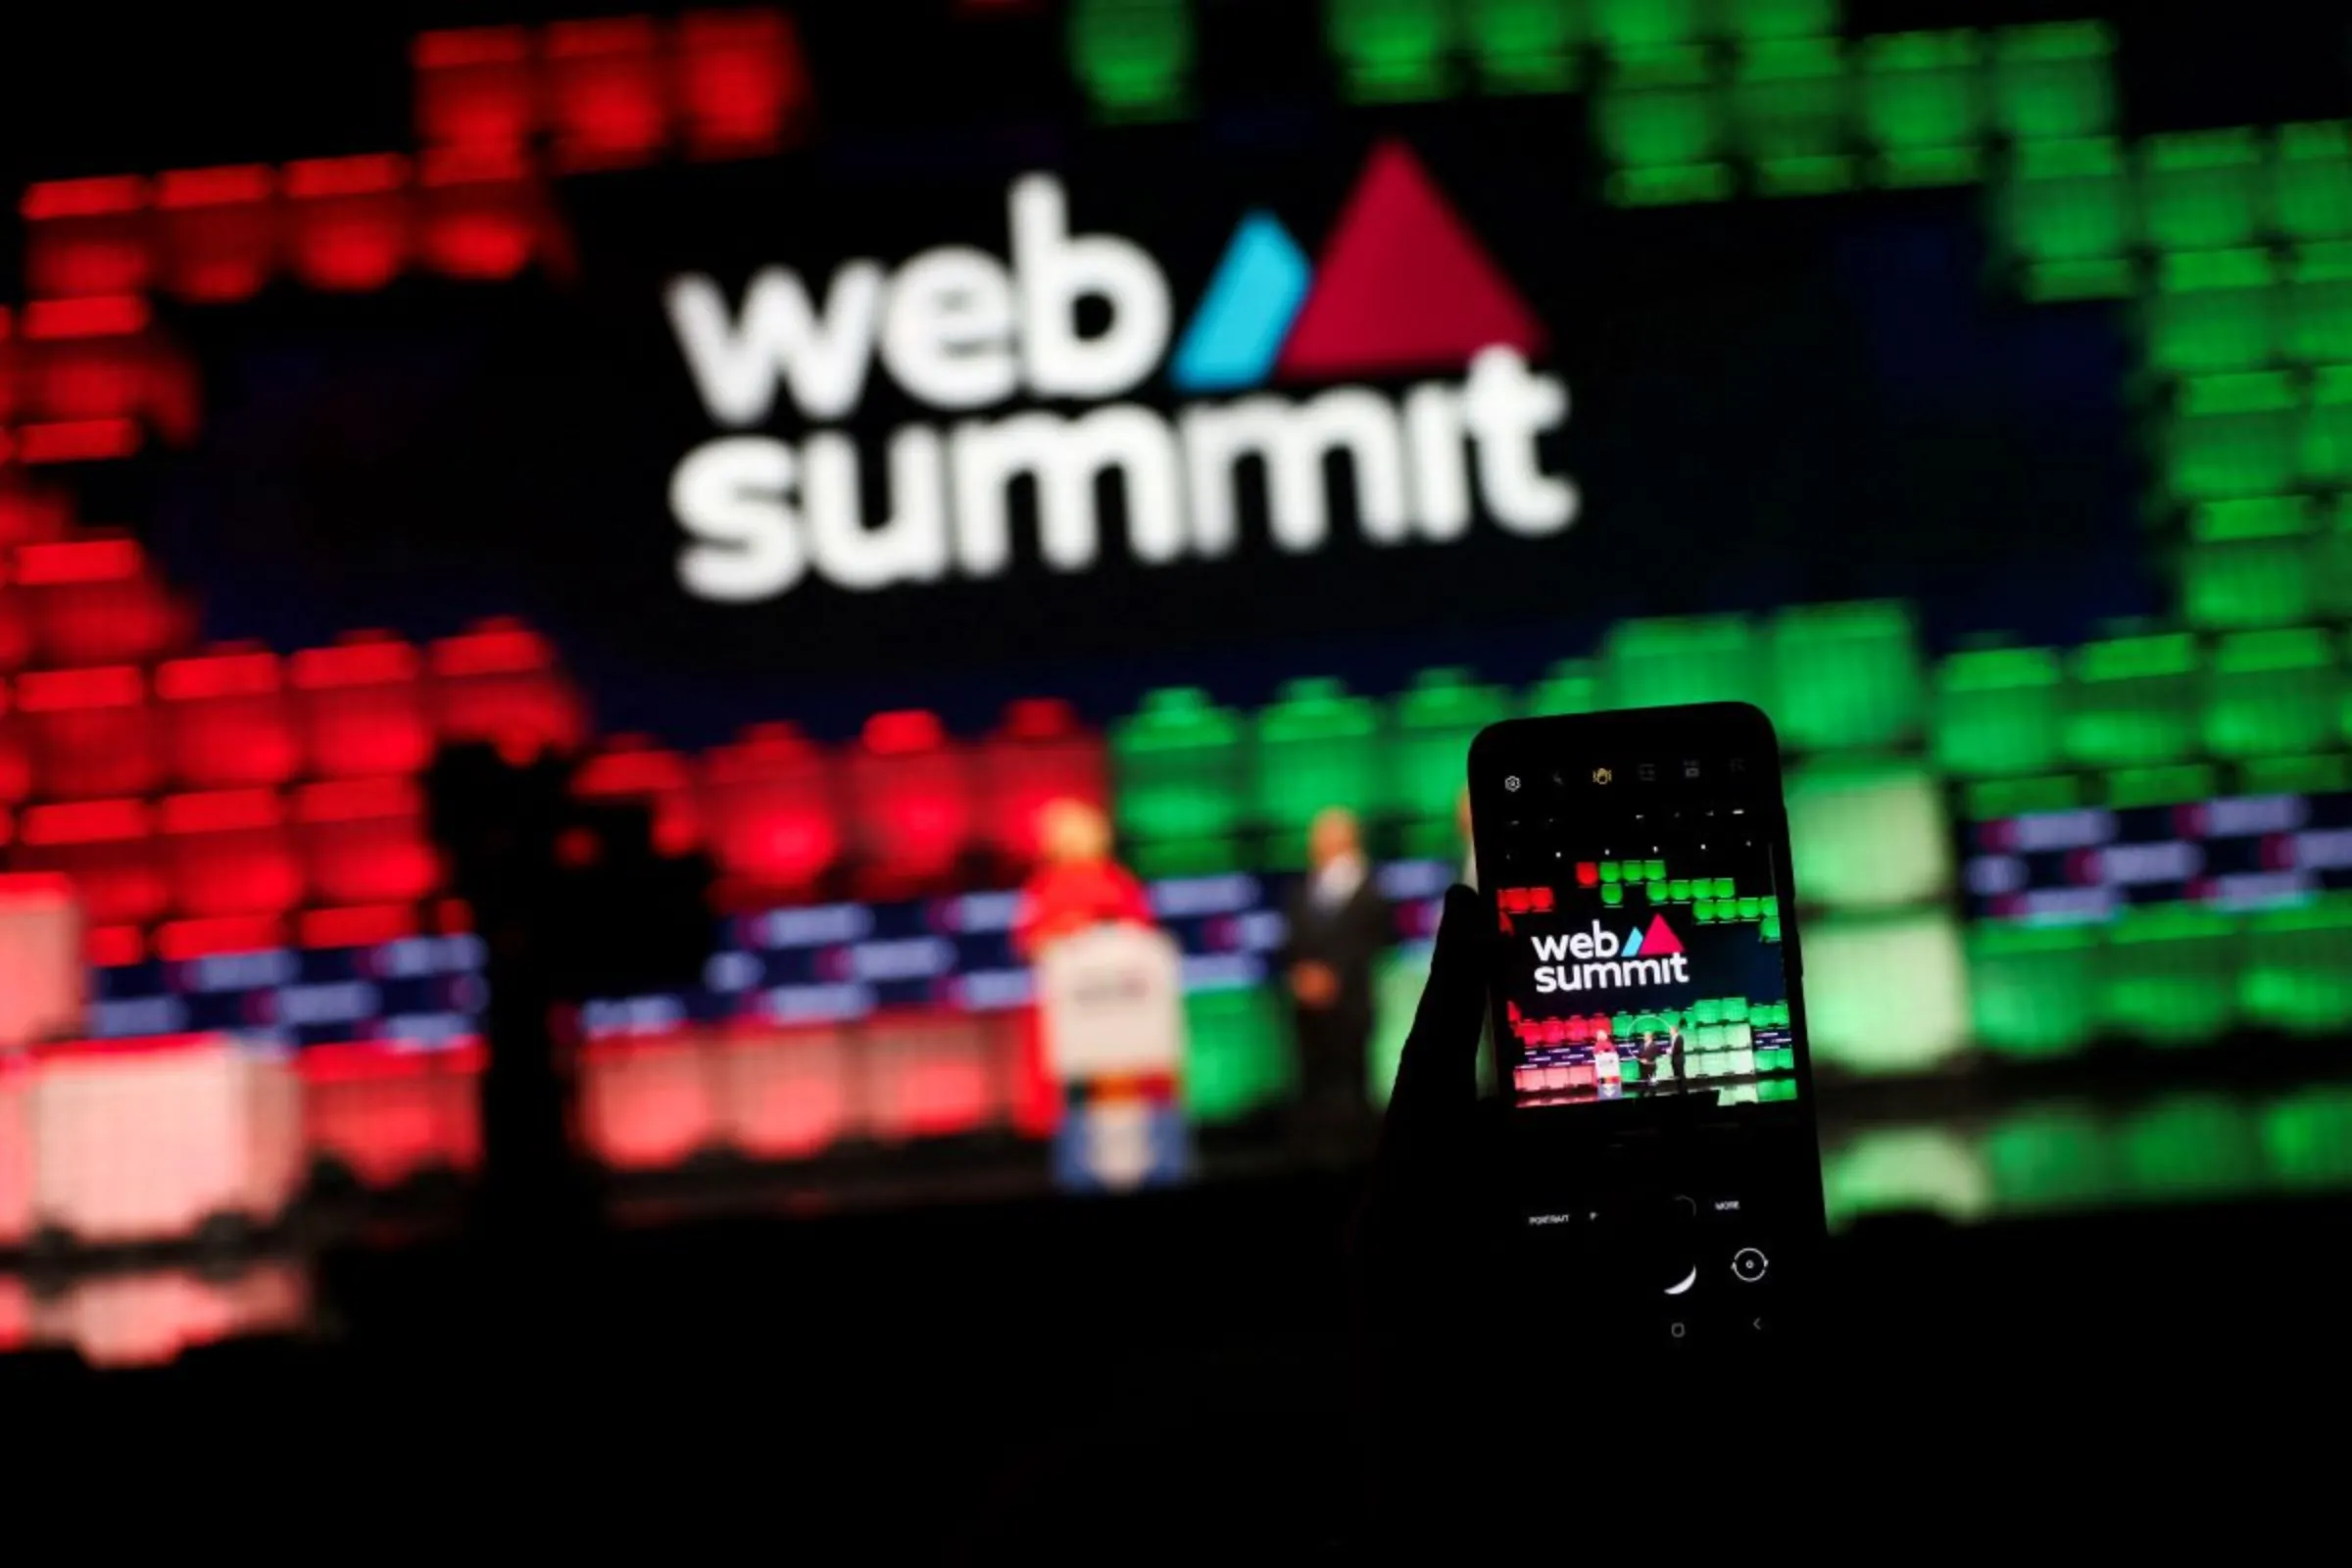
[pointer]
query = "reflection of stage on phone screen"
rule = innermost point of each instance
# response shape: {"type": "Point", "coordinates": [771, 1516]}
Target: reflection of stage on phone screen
{"type": "Point", "coordinates": [1746, 1060]}
{"type": "Point", "coordinates": [1639, 978]}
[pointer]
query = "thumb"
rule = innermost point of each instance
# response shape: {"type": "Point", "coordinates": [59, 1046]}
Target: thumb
{"type": "Point", "coordinates": [1440, 1065]}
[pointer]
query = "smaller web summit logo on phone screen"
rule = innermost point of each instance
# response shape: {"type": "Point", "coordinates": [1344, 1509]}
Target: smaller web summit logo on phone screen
{"type": "Point", "coordinates": [1599, 960]}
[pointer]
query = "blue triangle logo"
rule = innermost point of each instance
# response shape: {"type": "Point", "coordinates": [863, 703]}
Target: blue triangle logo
{"type": "Point", "coordinates": [1238, 330]}
{"type": "Point", "coordinates": [1633, 944]}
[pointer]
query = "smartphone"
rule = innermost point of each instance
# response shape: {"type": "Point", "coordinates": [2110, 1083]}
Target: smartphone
{"type": "Point", "coordinates": [1649, 1021]}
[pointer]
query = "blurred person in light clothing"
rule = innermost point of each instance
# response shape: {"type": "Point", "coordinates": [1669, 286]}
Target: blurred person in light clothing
{"type": "Point", "coordinates": [1075, 887]}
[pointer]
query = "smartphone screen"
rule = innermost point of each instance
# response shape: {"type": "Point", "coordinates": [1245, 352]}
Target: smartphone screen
{"type": "Point", "coordinates": [1648, 1017]}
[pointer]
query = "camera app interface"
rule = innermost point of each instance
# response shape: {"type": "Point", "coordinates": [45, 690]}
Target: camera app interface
{"type": "Point", "coordinates": [1645, 959]}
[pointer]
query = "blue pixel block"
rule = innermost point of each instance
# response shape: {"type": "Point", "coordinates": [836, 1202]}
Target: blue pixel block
{"type": "Point", "coordinates": [1238, 330]}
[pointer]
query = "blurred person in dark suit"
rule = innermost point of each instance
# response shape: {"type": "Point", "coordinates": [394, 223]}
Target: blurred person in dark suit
{"type": "Point", "coordinates": [1338, 927]}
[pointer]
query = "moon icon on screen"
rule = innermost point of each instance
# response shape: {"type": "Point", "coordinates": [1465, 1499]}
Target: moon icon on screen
{"type": "Point", "coordinates": [1685, 1283]}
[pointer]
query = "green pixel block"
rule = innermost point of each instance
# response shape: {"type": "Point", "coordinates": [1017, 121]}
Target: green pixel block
{"type": "Point", "coordinates": [1621, 1026]}
{"type": "Point", "coordinates": [1704, 913]}
{"type": "Point", "coordinates": [1739, 1063]}
{"type": "Point", "coordinates": [2134, 701]}
{"type": "Point", "coordinates": [1699, 659]}
{"type": "Point", "coordinates": [2329, 773]}
{"type": "Point", "coordinates": [1923, 1169]}
{"type": "Point", "coordinates": [1656, 870]}
{"type": "Point", "coordinates": [1847, 676]}
{"type": "Point", "coordinates": [1655, 892]}
{"type": "Point", "coordinates": [1735, 1009]}
{"type": "Point", "coordinates": [1526, 45]}
{"type": "Point", "coordinates": [1317, 747]}
{"type": "Point", "coordinates": [1571, 686]}
{"type": "Point", "coordinates": [1793, 110]}
{"type": "Point", "coordinates": [2054, 1158]}
{"type": "Point", "coordinates": [1662, 109]}
{"type": "Point", "coordinates": [2068, 202]}
{"type": "Point", "coordinates": [2331, 562]}
{"type": "Point", "coordinates": [2202, 188]}
{"type": "Point", "coordinates": [2098, 278]}
{"type": "Point", "coordinates": [1434, 719]}
{"type": "Point", "coordinates": [1885, 994]}
{"type": "Point", "coordinates": [2167, 974]}
{"type": "Point", "coordinates": [1611, 871]}
{"type": "Point", "coordinates": [1779, 18]}
{"type": "Point", "coordinates": [1181, 765]}
{"type": "Point", "coordinates": [1752, 909]}
{"type": "Point", "coordinates": [1679, 890]}
{"type": "Point", "coordinates": [1133, 57]}
{"type": "Point", "coordinates": [2316, 303]}
{"type": "Point", "coordinates": [1613, 894]}
{"type": "Point", "coordinates": [1202, 857]}
{"type": "Point", "coordinates": [2307, 1139]}
{"type": "Point", "coordinates": [2327, 427]}
{"type": "Point", "coordinates": [2251, 562]}
{"type": "Point", "coordinates": [2272, 692]}
{"type": "Point", "coordinates": [1999, 711]}
{"type": "Point", "coordinates": [2056, 79]}
{"type": "Point", "coordinates": [2168, 784]}
{"type": "Point", "coordinates": [1670, 185]}
{"type": "Point", "coordinates": [2312, 180]}
{"type": "Point", "coordinates": [1639, 26]}
{"type": "Point", "coordinates": [1923, 104]}
{"type": "Point", "coordinates": [1398, 981]}
{"type": "Point", "coordinates": [1393, 51]}
{"type": "Point", "coordinates": [2212, 310]}
{"type": "Point", "coordinates": [1739, 1036]}
{"type": "Point", "coordinates": [2297, 974]}
{"type": "Point", "coordinates": [2233, 436]}
{"type": "Point", "coordinates": [2192, 1145]}
{"type": "Point", "coordinates": [2018, 797]}
{"type": "Point", "coordinates": [1707, 1010]}
{"type": "Point", "coordinates": [2034, 991]}
{"type": "Point", "coordinates": [1868, 835]}
{"type": "Point", "coordinates": [1237, 1056]}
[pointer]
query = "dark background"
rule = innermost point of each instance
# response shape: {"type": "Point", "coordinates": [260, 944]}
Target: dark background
{"type": "Point", "coordinates": [1168, 1369]}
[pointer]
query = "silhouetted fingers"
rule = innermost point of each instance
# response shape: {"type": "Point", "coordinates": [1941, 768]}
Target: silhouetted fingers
{"type": "Point", "coordinates": [1440, 1065]}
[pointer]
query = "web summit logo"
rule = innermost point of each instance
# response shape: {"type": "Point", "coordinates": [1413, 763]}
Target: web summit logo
{"type": "Point", "coordinates": [1402, 289]}
{"type": "Point", "coordinates": [1642, 958]}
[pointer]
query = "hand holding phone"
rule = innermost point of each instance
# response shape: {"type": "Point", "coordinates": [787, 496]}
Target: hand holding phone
{"type": "Point", "coordinates": [1645, 982]}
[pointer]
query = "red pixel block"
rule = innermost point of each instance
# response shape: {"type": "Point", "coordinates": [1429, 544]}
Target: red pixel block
{"type": "Point", "coordinates": [226, 721]}
{"type": "Point", "coordinates": [607, 92]}
{"type": "Point", "coordinates": [350, 222]}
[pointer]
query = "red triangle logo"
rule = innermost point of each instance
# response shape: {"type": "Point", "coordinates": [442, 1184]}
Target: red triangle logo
{"type": "Point", "coordinates": [1659, 941]}
{"type": "Point", "coordinates": [1402, 284]}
